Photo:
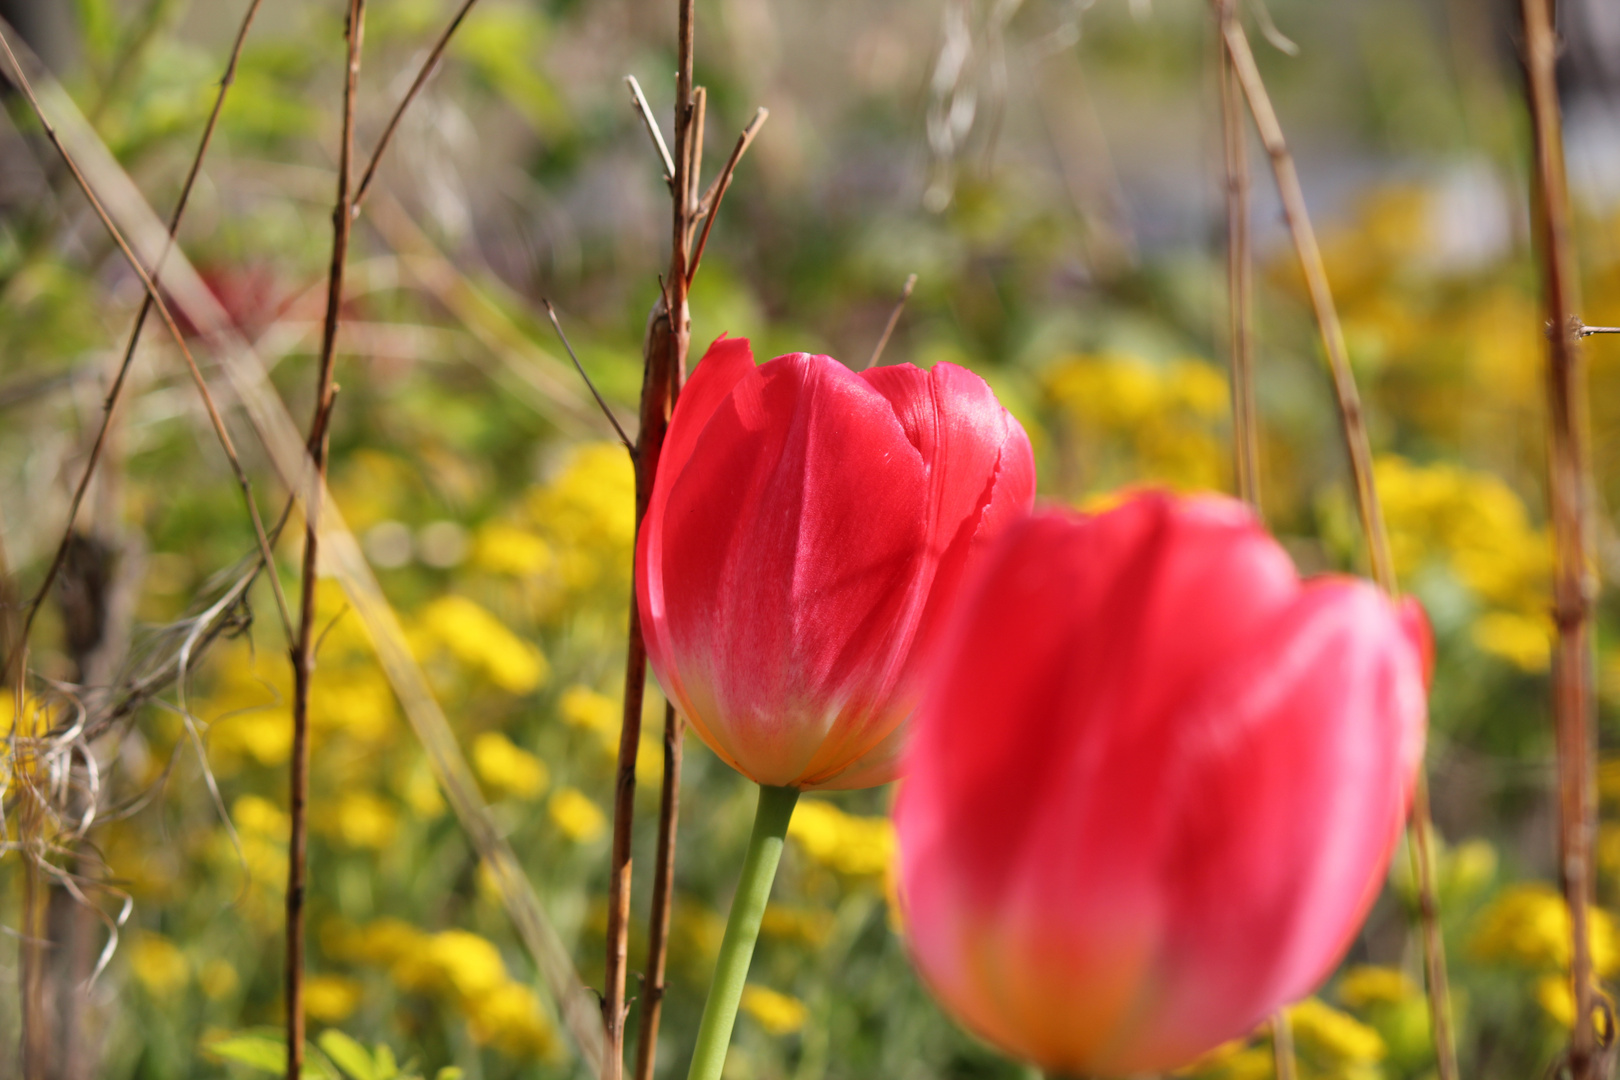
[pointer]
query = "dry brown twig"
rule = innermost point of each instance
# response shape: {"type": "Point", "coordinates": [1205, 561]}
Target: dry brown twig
{"type": "Point", "coordinates": [711, 207]}
{"type": "Point", "coordinates": [1575, 586]}
{"type": "Point", "coordinates": [639, 100]}
{"type": "Point", "coordinates": [894, 320]}
{"type": "Point", "coordinates": [668, 339]}
{"type": "Point", "coordinates": [551, 313]}
{"type": "Point", "coordinates": [1239, 273]}
{"type": "Point", "coordinates": [1247, 74]}
{"type": "Point", "coordinates": [303, 660]}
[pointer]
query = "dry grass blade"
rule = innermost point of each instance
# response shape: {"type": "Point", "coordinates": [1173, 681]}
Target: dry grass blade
{"type": "Point", "coordinates": [1239, 273]}
{"type": "Point", "coordinates": [1371, 513]}
{"type": "Point", "coordinates": [629, 446]}
{"type": "Point", "coordinates": [711, 206]}
{"type": "Point", "coordinates": [1569, 491]}
{"type": "Point", "coordinates": [428, 66]}
{"type": "Point", "coordinates": [639, 100]}
{"type": "Point", "coordinates": [894, 320]}
{"type": "Point", "coordinates": [342, 558]}
{"type": "Point", "coordinates": [1282, 1046]}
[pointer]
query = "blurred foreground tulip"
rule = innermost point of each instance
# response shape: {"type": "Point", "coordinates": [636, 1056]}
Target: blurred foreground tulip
{"type": "Point", "coordinates": [1156, 786]}
{"type": "Point", "coordinates": [807, 535]}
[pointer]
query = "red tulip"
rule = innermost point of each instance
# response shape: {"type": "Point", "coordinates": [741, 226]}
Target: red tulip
{"type": "Point", "coordinates": [1156, 785]}
{"type": "Point", "coordinates": [806, 535]}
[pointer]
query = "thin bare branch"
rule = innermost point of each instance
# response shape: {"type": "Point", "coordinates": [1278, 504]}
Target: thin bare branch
{"type": "Point", "coordinates": [723, 182]}
{"type": "Point", "coordinates": [894, 320]}
{"type": "Point", "coordinates": [639, 100]}
{"type": "Point", "coordinates": [669, 334]}
{"type": "Point", "coordinates": [1569, 488]}
{"type": "Point", "coordinates": [551, 312]}
{"type": "Point", "coordinates": [663, 897]}
{"type": "Point", "coordinates": [214, 417]}
{"type": "Point", "coordinates": [1239, 275]}
{"type": "Point", "coordinates": [1588, 331]}
{"type": "Point", "coordinates": [1367, 504]}
{"type": "Point", "coordinates": [303, 657]}
{"type": "Point", "coordinates": [428, 67]}
{"type": "Point", "coordinates": [115, 394]}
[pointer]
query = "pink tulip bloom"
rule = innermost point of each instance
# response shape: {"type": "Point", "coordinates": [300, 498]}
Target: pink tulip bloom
{"type": "Point", "coordinates": [1156, 785]}
{"type": "Point", "coordinates": [806, 535]}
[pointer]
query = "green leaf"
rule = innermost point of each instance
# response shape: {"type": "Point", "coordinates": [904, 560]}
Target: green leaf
{"type": "Point", "coordinates": [264, 1052]}
{"type": "Point", "coordinates": [348, 1055]}
{"type": "Point", "coordinates": [449, 1072]}
{"type": "Point", "coordinates": [255, 1051]}
{"type": "Point", "coordinates": [387, 1067]}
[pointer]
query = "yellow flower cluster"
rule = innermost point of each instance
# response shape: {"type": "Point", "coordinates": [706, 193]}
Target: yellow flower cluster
{"type": "Point", "coordinates": [1137, 422]}
{"type": "Point", "coordinates": [778, 1013]}
{"type": "Point", "coordinates": [458, 967]}
{"type": "Point", "coordinates": [1527, 925]}
{"type": "Point", "coordinates": [1475, 526]}
{"type": "Point", "coordinates": [507, 770]}
{"type": "Point", "coordinates": [572, 540]}
{"type": "Point", "coordinates": [852, 845]}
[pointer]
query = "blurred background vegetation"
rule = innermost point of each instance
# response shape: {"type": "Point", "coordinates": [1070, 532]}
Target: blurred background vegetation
{"type": "Point", "coordinates": [1050, 169]}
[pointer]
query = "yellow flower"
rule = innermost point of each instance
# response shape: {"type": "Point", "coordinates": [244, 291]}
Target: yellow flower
{"type": "Point", "coordinates": [857, 846]}
{"type": "Point", "coordinates": [1368, 984]}
{"type": "Point", "coordinates": [1235, 1060]}
{"type": "Point", "coordinates": [255, 816]}
{"type": "Point", "coordinates": [1324, 1030]}
{"type": "Point", "coordinates": [159, 965]}
{"type": "Point", "coordinates": [456, 961]}
{"type": "Point", "coordinates": [510, 1018]}
{"type": "Point", "coordinates": [383, 942]}
{"type": "Point", "coordinates": [421, 792]}
{"type": "Point", "coordinates": [1140, 421]}
{"type": "Point", "coordinates": [479, 640]}
{"type": "Point", "coordinates": [778, 1014]}
{"type": "Point", "coordinates": [508, 769]}
{"type": "Point", "coordinates": [331, 999]}
{"type": "Point", "coordinates": [507, 549]}
{"type": "Point", "coordinates": [807, 925]}
{"type": "Point", "coordinates": [583, 708]}
{"type": "Point", "coordinates": [588, 513]}
{"type": "Point", "coordinates": [1522, 639]}
{"type": "Point", "coordinates": [579, 819]}
{"type": "Point", "coordinates": [1528, 925]}
{"type": "Point", "coordinates": [359, 819]}
{"type": "Point", "coordinates": [218, 979]}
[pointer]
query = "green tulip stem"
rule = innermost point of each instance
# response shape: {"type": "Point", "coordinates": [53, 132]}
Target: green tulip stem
{"type": "Point", "coordinates": [742, 930]}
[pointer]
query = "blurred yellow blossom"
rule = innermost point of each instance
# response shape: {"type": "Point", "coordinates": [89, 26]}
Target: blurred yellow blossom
{"type": "Point", "coordinates": [331, 999]}
{"type": "Point", "coordinates": [1473, 523]}
{"type": "Point", "coordinates": [510, 1018]}
{"type": "Point", "coordinates": [576, 815]}
{"type": "Point", "coordinates": [218, 979]}
{"type": "Point", "coordinates": [359, 819]}
{"type": "Point", "coordinates": [420, 791]}
{"type": "Point", "coordinates": [1556, 996]}
{"type": "Point", "coordinates": [507, 549]}
{"type": "Point", "coordinates": [585, 709]}
{"type": "Point", "coordinates": [507, 769]}
{"type": "Point", "coordinates": [1140, 421]}
{"type": "Point", "coordinates": [1369, 984]}
{"type": "Point", "coordinates": [258, 816]}
{"type": "Point", "coordinates": [1323, 1030]}
{"type": "Point", "coordinates": [1527, 924]}
{"type": "Point", "coordinates": [587, 515]}
{"type": "Point", "coordinates": [451, 960]}
{"type": "Point", "coordinates": [159, 964]}
{"type": "Point", "coordinates": [480, 640]}
{"type": "Point", "coordinates": [851, 845]}
{"type": "Point", "coordinates": [808, 925]}
{"type": "Point", "coordinates": [777, 1013]}
{"type": "Point", "coordinates": [1234, 1060]}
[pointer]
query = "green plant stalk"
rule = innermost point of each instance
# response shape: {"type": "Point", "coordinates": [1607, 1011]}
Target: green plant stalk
{"type": "Point", "coordinates": [742, 930]}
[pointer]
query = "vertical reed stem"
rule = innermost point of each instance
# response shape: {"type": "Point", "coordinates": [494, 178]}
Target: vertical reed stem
{"type": "Point", "coordinates": [1568, 484]}
{"type": "Point", "coordinates": [1239, 275]}
{"type": "Point", "coordinates": [663, 898]}
{"type": "Point", "coordinates": [668, 340]}
{"type": "Point", "coordinates": [1367, 504]}
{"type": "Point", "coordinates": [303, 651]}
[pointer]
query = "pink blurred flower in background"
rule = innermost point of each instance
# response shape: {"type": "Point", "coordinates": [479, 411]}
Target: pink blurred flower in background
{"type": "Point", "coordinates": [1156, 786]}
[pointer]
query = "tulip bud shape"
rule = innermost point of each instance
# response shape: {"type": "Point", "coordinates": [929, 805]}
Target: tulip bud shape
{"type": "Point", "coordinates": [807, 533]}
{"type": "Point", "coordinates": [1156, 785]}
